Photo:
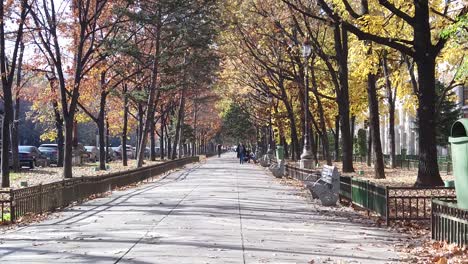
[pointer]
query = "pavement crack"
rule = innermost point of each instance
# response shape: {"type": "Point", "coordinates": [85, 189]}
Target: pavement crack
{"type": "Point", "coordinates": [160, 221]}
{"type": "Point", "coordinates": [240, 217]}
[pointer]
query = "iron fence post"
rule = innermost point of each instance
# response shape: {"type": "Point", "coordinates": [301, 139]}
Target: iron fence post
{"type": "Point", "coordinates": [40, 198]}
{"type": "Point", "coordinates": [387, 205]}
{"type": "Point", "coordinates": [12, 206]}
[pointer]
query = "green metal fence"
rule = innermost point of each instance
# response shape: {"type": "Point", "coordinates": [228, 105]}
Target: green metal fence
{"type": "Point", "coordinates": [392, 203]}
{"type": "Point", "coordinates": [16, 203]}
{"type": "Point", "coordinates": [369, 196]}
{"type": "Point", "coordinates": [449, 223]}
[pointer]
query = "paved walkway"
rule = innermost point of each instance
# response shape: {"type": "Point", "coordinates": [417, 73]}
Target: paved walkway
{"type": "Point", "coordinates": [217, 212]}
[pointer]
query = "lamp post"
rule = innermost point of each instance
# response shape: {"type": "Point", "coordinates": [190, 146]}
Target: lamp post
{"type": "Point", "coordinates": [306, 156]}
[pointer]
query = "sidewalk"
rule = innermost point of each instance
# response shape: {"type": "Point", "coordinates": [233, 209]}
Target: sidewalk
{"type": "Point", "coordinates": [217, 212]}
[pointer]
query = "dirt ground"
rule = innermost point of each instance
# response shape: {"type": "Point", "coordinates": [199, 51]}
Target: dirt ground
{"type": "Point", "coordinates": [51, 174]}
{"type": "Point", "coordinates": [393, 177]}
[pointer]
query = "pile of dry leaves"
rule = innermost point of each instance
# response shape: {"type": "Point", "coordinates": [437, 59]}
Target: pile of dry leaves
{"type": "Point", "coordinates": [419, 248]}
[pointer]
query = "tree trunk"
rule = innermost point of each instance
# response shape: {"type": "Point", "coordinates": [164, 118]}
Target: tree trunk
{"type": "Point", "coordinates": [168, 144]}
{"type": "Point", "coordinates": [374, 123]}
{"type": "Point", "coordinates": [68, 155]}
{"type": "Point", "coordinates": [292, 121]}
{"type": "Point", "coordinates": [428, 173]}
{"type": "Point", "coordinates": [425, 58]}
{"type": "Point", "coordinates": [369, 148]}
{"type": "Point", "coordinates": [323, 126]}
{"type": "Point", "coordinates": [101, 124]}
{"type": "Point", "coordinates": [5, 147]}
{"type": "Point", "coordinates": [391, 109]}
{"type": "Point", "coordinates": [337, 138]}
{"type": "Point", "coordinates": [161, 137]}
{"type": "Point", "coordinates": [152, 94]}
{"type": "Point", "coordinates": [14, 133]}
{"type": "Point", "coordinates": [102, 144]}
{"type": "Point", "coordinates": [153, 141]}
{"type": "Point", "coordinates": [124, 128]}
{"type": "Point", "coordinates": [140, 128]}
{"type": "Point", "coordinates": [107, 139]}
{"type": "Point", "coordinates": [180, 116]}
{"type": "Point", "coordinates": [15, 123]}
{"type": "Point", "coordinates": [341, 48]}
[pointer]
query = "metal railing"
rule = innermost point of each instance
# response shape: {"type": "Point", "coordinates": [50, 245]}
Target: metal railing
{"type": "Point", "coordinates": [449, 223]}
{"type": "Point", "coordinates": [389, 203]}
{"type": "Point", "coordinates": [49, 197]}
{"type": "Point", "coordinates": [302, 174]}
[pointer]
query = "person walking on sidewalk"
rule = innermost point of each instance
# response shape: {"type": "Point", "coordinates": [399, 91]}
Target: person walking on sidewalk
{"type": "Point", "coordinates": [241, 151]}
{"type": "Point", "coordinates": [219, 150]}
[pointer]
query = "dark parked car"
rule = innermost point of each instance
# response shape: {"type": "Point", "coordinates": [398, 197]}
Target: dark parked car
{"type": "Point", "coordinates": [50, 151]}
{"type": "Point", "coordinates": [31, 156]}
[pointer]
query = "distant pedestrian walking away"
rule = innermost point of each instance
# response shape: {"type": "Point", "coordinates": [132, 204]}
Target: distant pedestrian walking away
{"type": "Point", "coordinates": [219, 150]}
{"type": "Point", "coordinates": [241, 153]}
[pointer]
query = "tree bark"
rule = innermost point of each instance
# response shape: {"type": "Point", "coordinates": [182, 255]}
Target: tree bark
{"type": "Point", "coordinates": [337, 138]}
{"type": "Point", "coordinates": [323, 126]}
{"type": "Point", "coordinates": [374, 123]}
{"type": "Point", "coordinates": [391, 109]}
{"type": "Point", "coordinates": [152, 94]}
{"type": "Point", "coordinates": [369, 148]}
{"type": "Point", "coordinates": [161, 137]}
{"type": "Point", "coordinates": [428, 173]}
{"type": "Point", "coordinates": [153, 141]}
{"type": "Point", "coordinates": [425, 58]}
{"type": "Point", "coordinates": [180, 116]}
{"type": "Point", "coordinates": [341, 48]}
{"type": "Point", "coordinates": [58, 122]}
{"type": "Point", "coordinates": [168, 142]}
{"type": "Point", "coordinates": [68, 155]}
{"type": "Point", "coordinates": [7, 74]}
{"type": "Point", "coordinates": [124, 128]}
{"type": "Point", "coordinates": [16, 112]}
{"type": "Point", "coordinates": [101, 124]}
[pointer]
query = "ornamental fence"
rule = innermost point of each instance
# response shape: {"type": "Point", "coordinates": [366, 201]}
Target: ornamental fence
{"type": "Point", "coordinates": [389, 203]}
{"type": "Point", "coordinates": [38, 199]}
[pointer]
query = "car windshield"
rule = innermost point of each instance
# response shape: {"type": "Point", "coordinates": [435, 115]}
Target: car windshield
{"type": "Point", "coordinates": [25, 148]}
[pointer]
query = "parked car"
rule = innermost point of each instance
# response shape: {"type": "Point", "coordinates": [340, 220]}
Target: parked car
{"type": "Point", "coordinates": [131, 153]}
{"type": "Point", "coordinates": [93, 153]}
{"type": "Point", "coordinates": [31, 156]}
{"type": "Point", "coordinates": [117, 153]}
{"type": "Point", "coordinates": [147, 153]}
{"type": "Point", "coordinates": [157, 150]}
{"type": "Point", "coordinates": [111, 155]}
{"type": "Point", "coordinates": [50, 151]}
{"type": "Point", "coordinates": [80, 155]}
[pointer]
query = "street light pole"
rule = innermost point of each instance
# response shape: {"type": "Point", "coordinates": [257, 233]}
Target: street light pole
{"type": "Point", "coordinates": [306, 156]}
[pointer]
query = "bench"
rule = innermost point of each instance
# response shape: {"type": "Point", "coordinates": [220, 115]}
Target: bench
{"type": "Point", "coordinates": [327, 187]}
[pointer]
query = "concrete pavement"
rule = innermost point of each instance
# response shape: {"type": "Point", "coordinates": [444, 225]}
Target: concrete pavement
{"type": "Point", "coordinates": [215, 212]}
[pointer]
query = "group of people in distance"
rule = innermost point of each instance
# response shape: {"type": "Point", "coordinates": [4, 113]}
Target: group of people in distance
{"type": "Point", "coordinates": [244, 154]}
